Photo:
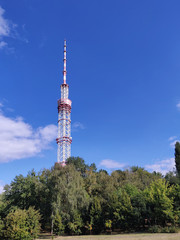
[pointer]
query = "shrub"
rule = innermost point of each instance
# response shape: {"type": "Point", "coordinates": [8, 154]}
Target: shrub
{"type": "Point", "coordinates": [108, 224]}
{"type": "Point", "coordinates": [173, 229]}
{"type": "Point", "coordinates": [165, 230]}
{"type": "Point", "coordinates": [155, 229]}
{"type": "Point", "coordinates": [159, 229]}
{"type": "Point", "coordinates": [22, 224]}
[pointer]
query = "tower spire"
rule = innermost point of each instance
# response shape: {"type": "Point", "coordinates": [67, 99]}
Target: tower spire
{"type": "Point", "coordinates": [64, 71]}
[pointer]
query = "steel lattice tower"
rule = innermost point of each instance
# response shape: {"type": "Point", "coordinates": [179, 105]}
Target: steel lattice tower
{"type": "Point", "coordinates": [64, 120]}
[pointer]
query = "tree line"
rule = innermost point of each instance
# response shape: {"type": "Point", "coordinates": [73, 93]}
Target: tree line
{"type": "Point", "coordinates": [78, 199]}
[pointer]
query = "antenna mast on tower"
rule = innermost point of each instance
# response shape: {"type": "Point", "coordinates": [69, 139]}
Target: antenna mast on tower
{"type": "Point", "coordinates": [64, 138]}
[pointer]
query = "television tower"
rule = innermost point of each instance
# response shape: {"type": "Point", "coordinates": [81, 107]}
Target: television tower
{"type": "Point", "coordinates": [64, 138]}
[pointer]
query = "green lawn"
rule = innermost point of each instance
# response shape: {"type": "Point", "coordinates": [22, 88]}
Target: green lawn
{"type": "Point", "coordinates": [147, 236]}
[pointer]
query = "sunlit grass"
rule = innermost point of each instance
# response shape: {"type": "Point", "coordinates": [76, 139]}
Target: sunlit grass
{"type": "Point", "coordinates": [147, 236]}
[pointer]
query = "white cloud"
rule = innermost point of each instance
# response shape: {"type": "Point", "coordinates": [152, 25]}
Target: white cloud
{"type": "Point", "coordinates": [172, 138]}
{"type": "Point", "coordinates": [172, 144]}
{"type": "Point", "coordinates": [8, 29]}
{"type": "Point", "coordinates": [111, 164]}
{"type": "Point", "coordinates": [1, 187]}
{"type": "Point", "coordinates": [4, 24]}
{"type": "Point", "coordinates": [77, 126]}
{"type": "Point", "coordinates": [4, 28]}
{"type": "Point", "coordinates": [163, 166]}
{"type": "Point", "coordinates": [19, 140]}
{"type": "Point", "coordinates": [178, 106]}
{"type": "Point", "coordinates": [3, 44]}
{"type": "Point", "coordinates": [173, 141]}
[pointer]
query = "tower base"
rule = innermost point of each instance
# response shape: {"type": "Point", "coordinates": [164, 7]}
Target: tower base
{"type": "Point", "coordinates": [63, 164]}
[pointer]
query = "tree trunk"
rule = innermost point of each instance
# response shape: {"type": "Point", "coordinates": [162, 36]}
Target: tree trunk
{"type": "Point", "coordinates": [52, 226]}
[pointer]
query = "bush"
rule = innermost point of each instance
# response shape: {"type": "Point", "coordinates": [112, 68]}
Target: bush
{"type": "Point", "coordinates": [155, 229]}
{"type": "Point", "coordinates": [173, 229]}
{"type": "Point", "coordinates": [165, 230]}
{"type": "Point", "coordinates": [159, 229]}
{"type": "Point", "coordinates": [22, 224]}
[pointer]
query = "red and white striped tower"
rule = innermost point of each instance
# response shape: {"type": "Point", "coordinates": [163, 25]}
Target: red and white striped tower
{"type": "Point", "coordinates": [64, 120]}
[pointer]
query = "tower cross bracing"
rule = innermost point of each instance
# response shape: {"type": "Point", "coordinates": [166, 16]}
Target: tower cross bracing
{"type": "Point", "coordinates": [64, 120]}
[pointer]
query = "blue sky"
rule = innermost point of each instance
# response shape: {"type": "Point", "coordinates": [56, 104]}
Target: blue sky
{"type": "Point", "coordinates": [123, 68]}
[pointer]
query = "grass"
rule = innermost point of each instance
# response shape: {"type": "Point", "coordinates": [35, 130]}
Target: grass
{"type": "Point", "coordinates": [141, 236]}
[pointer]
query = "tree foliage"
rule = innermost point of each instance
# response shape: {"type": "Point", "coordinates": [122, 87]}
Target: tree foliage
{"type": "Point", "coordinates": [160, 202]}
{"type": "Point", "coordinates": [22, 224]}
{"type": "Point", "coordinates": [177, 158]}
{"type": "Point", "coordinates": [76, 199]}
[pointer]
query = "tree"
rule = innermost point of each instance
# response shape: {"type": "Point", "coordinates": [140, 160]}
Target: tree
{"type": "Point", "coordinates": [68, 197]}
{"type": "Point", "coordinates": [95, 214]}
{"type": "Point", "coordinates": [22, 192]}
{"type": "Point", "coordinates": [138, 202]}
{"type": "Point", "coordinates": [177, 158]}
{"type": "Point", "coordinates": [77, 199]}
{"type": "Point", "coordinates": [172, 178]}
{"type": "Point", "coordinates": [175, 194]}
{"type": "Point", "coordinates": [160, 202]}
{"type": "Point", "coordinates": [137, 176]}
{"type": "Point", "coordinates": [44, 197]}
{"type": "Point", "coordinates": [32, 190]}
{"type": "Point", "coordinates": [78, 163]}
{"type": "Point", "coordinates": [58, 225]}
{"type": "Point", "coordinates": [1, 228]}
{"type": "Point", "coordinates": [32, 221]}
{"type": "Point", "coordinates": [119, 209]}
{"type": "Point", "coordinates": [3, 206]}
{"type": "Point", "coordinates": [76, 223]}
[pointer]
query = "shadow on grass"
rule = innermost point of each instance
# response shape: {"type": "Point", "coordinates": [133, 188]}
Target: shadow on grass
{"type": "Point", "coordinates": [45, 236]}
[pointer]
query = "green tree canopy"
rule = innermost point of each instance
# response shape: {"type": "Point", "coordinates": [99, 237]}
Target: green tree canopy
{"type": "Point", "coordinates": [177, 158]}
{"type": "Point", "coordinates": [160, 202]}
